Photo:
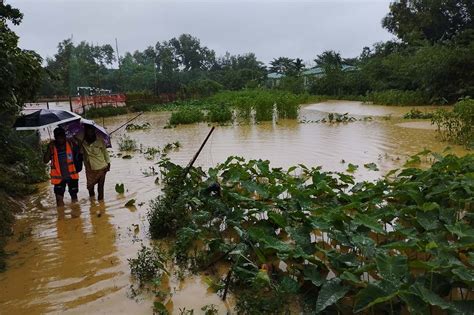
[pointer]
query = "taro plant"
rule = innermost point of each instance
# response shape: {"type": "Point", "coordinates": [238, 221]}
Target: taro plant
{"type": "Point", "coordinates": [323, 243]}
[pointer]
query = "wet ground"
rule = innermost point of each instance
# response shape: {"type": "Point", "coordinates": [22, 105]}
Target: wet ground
{"type": "Point", "coordinates": [74, 260]}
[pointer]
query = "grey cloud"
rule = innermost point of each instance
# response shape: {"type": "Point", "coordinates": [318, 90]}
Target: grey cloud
{"type": "Point", "coordinates": [269, 29]}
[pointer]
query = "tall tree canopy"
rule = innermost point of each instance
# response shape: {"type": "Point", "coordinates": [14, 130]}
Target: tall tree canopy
{"type": "Point", "coordinates": [431, 20]}
{"type": "Point", "coordinates": [77, 65]}
{"type": "Point", "coordinates": [20, 70]}
{"type": "Point", "coordinates": [286, 66]}
{"type": "Point", "coordinates": [329, 60]}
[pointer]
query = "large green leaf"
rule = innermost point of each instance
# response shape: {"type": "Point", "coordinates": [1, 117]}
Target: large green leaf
{"type": "Point", "coordinates": [374, 293]}
{"type": "Point", "coordinates": [466, 275]}
{"type": "Point", "coordinates": [461, 229]}
{"type": "Point", "coordinates": [428, 220]}
{"type": "Point", "coordinates": [313, 274]}
{"type": "Point", "coordinates": [277, 218]}
{"type": "Point", "coordinates": [349, 276]}
{"type": "Point", "coordinates": [430, 206]}
{"type": "Point", "coordinates": [289, 285]}
{"type": "Point", "coordinates": [268, 241]}
{"type": "Point", "coordinates": [119, 188]}
{"type": "Point", "coordinates": [370, 222]}
{"type": "Point", "coordinates": [331, 292]}
{"type": "Point", "coordinates": [430, 297]}
{"type": "Point", "coordinates": [393, 269]}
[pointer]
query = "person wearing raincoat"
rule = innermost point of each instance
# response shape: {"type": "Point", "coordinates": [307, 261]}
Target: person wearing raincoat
{"type": "Point", "coordinates": [66, 163]}
{"type": "Point", "coordinates": [96, 161]}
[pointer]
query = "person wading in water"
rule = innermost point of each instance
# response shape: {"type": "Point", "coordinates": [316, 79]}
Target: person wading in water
{"type": "Point", "coordinates": [66, 163]}
{"type": "Point", "coordinates": [96, 160]}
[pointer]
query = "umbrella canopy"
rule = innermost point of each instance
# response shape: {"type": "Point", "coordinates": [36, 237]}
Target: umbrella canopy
{"type": "Point", "coordinates": [77, 126]}
{"type": "Point", "coordinates": [44, 118]}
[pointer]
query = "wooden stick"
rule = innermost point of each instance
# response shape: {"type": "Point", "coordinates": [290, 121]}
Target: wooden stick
{"type": "Point", "coordinates": [186, 170]}
{"type": "Point", "coordinates": [141, 113]}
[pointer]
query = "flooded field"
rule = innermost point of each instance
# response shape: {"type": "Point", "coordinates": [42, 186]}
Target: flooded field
{"type": "Point", "coordinates": [75, 260]}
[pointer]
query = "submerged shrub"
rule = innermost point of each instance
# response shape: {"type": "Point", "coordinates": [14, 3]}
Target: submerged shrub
{"type": "Point", "coordinates": [219, 114]}
{"type": "Point", "coordinates": [186, 116]}
{"type": "Point", "coordinates": [149, 265]}
{"type": "Point", "coordinates": [457, 125]}
{"type": "Point", "coordinates": [127, 144]}
{"type": "Point", "coordinates": [417, 114]}
{"type": "Point", "coordinates": [397, 97]}
{"type": "Point", "coordinates": [407, 235]}
{"type": "Point", "coordinates": [105, 111]}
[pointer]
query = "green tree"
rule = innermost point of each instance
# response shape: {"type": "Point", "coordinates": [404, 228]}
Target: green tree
{"type": "Point", "coordinates": [77, 65]}
{"type": "Point", "coordinates": [329, 60]}
{"type": "Point", "coordinates": [432, 20]}
{"type": "Point", "coordinates": [20, 165]}
{"type": "Point", "coordinates": [287, 66]}
{"type": "Point", "coordinates": [20, 70]}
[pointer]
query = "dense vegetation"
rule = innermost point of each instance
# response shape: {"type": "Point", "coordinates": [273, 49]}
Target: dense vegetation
{"type": "Point", "coordinates": [431, 61]}
{"type": "Point", "coordinates": [244, 106]}
{"type": "Point", "coordinates": [20, 163]}
{"type": "Point", "coordinates": [400, 244]}
{"type": "Point", "coordinates": [457, 125]}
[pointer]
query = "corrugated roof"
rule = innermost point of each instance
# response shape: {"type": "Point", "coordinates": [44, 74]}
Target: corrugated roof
{"type": "Point", "coordinates": [313, 71]}
{"type": "Point", "coordinates": [275, 75]}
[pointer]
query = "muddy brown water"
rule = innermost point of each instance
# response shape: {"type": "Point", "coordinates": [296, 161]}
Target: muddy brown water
{"type": "Point", "coordinates": [74, 260]}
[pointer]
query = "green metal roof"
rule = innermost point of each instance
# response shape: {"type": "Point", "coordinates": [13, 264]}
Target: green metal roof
{"type": "Point", "coordinates": [275, 75]}
{"type": "Point", "coordinates": [313, 71]}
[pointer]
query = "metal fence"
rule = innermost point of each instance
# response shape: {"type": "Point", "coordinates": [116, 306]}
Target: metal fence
{"type": "Point", "coordinates": [77, 104]}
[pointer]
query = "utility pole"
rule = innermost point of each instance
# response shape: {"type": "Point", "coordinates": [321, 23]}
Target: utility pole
{"type": "Point", "coordinates": [119, 66]}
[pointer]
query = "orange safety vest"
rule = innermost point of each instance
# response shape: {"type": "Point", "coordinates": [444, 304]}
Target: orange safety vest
{"type": "Point", "coordinates": [56, 176]}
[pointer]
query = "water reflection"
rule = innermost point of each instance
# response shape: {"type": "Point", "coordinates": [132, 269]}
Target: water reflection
{"type": "Point", "coordinates": [71, 262]}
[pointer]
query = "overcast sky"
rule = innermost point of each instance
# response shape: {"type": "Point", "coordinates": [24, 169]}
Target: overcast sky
{"type": "Point", "coordinates": [268, 28]}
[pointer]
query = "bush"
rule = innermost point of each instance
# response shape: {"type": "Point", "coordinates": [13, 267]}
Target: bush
{"type": "Point", "coordinates": [457, 126]}
{"type": "Point", "coordinates": [186, 116]}
{"type": "Point", "coordinates": [219, 114]}
{"type": "Point", "coordinates": [202, 88]}
{"type": "Point", "coordinates": [417, 114]}
{"type": "Point", "coordinates": [148, 266]}
{"type": "Point", "coordinates": [105, 111]}
{"type": "Point", "coordinates": [127, 144]}
{"type": "Point", "coordinates": [397, 97]}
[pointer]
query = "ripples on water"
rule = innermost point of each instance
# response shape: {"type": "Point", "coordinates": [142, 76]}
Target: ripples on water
{"type": "Point", "coordinates": [75, 260]}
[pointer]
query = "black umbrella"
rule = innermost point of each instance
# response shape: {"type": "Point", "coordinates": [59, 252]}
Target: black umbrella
{"type": "Point", "coordinates": [44, 118]}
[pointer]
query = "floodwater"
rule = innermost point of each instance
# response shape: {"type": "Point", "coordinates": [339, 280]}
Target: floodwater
{"type": "Point", "coordinates": [74, 260]}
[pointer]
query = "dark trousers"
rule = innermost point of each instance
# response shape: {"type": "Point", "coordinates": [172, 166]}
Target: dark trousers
{"type": "Point", "coordinates": [73, 187]}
